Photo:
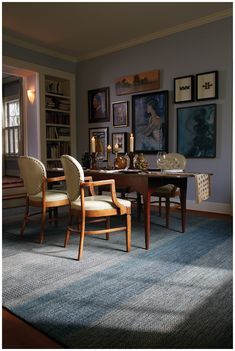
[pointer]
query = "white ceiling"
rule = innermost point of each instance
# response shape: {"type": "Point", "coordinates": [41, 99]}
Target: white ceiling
{"type": "Point", "coordinates": [83, 30]}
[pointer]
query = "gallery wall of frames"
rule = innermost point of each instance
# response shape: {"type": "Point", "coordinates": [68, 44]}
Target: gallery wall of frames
{"type": "Point", "coordinates": [196, 124]}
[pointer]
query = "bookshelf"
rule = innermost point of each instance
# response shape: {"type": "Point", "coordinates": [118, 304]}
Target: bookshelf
{"type": "Point", "coordinates": [58, 116]}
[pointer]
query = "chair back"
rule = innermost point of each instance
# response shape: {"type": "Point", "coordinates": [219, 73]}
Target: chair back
{"type": "Point", "coordinates": [33, 172]}
{"type": "Point", "coordinates": [74, 174]}
{"type": "Point", "coordinates": [175, 161]}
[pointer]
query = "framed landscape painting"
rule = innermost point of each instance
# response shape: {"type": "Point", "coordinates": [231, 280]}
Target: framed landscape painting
{"type": "Point", "coordinates": [138, 82]}
{"type": "Point", "coordinates": [150, 121]}
{"type": "Point", "coordinates": [196, 131]}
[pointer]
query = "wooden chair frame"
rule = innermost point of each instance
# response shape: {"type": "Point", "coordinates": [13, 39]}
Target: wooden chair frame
{"type": "Point", "coordinates": [44, 205]}
{"type": "Point", "coordinates": [119, 209]}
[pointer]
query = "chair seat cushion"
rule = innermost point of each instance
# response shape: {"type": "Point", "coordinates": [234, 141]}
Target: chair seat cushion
{"type": "Point", "coordinates": [51, 195]}
{"type": "Point", "coordinates": [166, 190]}
{"type": "Point", "coordinates": [99, 202]}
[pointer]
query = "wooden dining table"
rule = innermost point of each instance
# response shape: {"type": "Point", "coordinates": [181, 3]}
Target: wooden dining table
{"type": "Point", "coordinates": [145, 183]}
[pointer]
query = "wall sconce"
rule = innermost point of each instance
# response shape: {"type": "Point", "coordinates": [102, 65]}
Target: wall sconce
{"type": "Point", "coordinates": [31, 95]}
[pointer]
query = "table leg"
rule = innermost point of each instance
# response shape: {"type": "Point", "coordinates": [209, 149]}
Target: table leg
{"type": "Point", "coordinates": [146, 199]}
{"type": "Point", "coordinates": [183, 192]}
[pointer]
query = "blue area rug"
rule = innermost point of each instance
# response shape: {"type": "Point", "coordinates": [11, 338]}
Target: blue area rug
{"type": "Point", "coordinates": [178, 294]}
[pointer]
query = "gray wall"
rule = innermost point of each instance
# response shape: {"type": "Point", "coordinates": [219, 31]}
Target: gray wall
{"type": "Point", "coordinates": [202, 49]}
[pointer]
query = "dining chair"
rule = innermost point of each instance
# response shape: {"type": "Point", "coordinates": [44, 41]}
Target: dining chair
{"type": "Point", "coordinates": [95, 208]}
{"type": "Point", "coordinates": [174, 162]}
{"type": "Point", "coordinates": [34, 176]}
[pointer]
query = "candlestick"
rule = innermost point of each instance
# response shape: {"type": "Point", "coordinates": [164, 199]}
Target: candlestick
{"type": "Point", "coordinates": [93, 145]}
{"type": "Point", "coordinates": [109, 148]}
{"type": "Point", "coordinates": [131, 143]}
{"type": "Point", "coordinates": [93, 161]}
{"type": "Point", "coordinates": [131, 156]}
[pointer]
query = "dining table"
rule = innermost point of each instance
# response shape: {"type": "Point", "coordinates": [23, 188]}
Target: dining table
{"type": "Point", "coordinates": [145, 183]}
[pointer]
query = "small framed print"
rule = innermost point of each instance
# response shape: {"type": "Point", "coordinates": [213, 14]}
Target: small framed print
{"type": "Point", "coordinates": [120, 114]}
{"type": "Point", "coordinates": [183, 89]}
{"type": "Point", "coordinates": [207, 85]}
{"type": "Point", "coordinates": [121, 140]}
{"type": "Point", "coordinates": [101, 140]}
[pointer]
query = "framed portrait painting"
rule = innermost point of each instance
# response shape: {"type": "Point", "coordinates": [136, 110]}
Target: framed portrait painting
{"type": "Point", "coordinates": [98, 105]}
{"type": "Point", "coordinates": [101, 140]}
{"type": "Point", "coordinates": [150, 121]}
{"type": "Point", "coordinates": [120, 114]}
{"type": "Point", "coordinates": [121, 140]}
{"type": "Point", "coordinates": [207, 86]}
{"type": "Point", "coordinates": [196, 131]}
{"type": "Point", "coordinates": [183, 89]}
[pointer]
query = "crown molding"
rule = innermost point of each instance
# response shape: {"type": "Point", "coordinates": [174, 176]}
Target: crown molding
{"type": "Point", "coordinates": [125, 45]}
{"type": "Point", "coordinates": [26, 45]}
{"type": "Point", "coordinates": [161, 34]}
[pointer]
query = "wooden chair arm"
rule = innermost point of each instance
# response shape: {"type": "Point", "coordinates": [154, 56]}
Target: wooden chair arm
{"type": "Point", "coordinates": [88, 179]}
{"type": "Point", "coordinates": [111, 183]}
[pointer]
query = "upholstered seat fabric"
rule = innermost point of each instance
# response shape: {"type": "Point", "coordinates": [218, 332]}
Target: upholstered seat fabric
{"type": "Point", "coordinates": [166, 190]}
{"type": "Point", "coordinates": [51, 195]}
{"type": "Point", "coordinates": [98, 202]}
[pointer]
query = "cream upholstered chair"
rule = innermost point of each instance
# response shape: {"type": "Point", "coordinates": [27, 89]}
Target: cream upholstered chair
{"type": "Point", "coordinates": [34, 176]}
{"type": "Point", "coordinates": [173, 161]}
{"type": "Point", "coordinates": [98, 207]}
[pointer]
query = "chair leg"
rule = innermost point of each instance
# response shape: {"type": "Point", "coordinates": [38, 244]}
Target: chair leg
{"type": "Point", "coordinates": [68, 232]}
{"type": "Point", "coordinates": [67, 236]}
{"type": "Point", "coordinates": [42, 225]}
{"type": "Point", "coordinates": [167, 211]}
{"type": "Point", "coordinates": [82, 236]}
{"type": "Point", "coordinates": [26, 214]}
{"type": "Point", "coordinates": [160, 207]}
{"type": "Point", "coordinates": [128, 232]}
{"type": "Point", "coordinates": [107, 226]}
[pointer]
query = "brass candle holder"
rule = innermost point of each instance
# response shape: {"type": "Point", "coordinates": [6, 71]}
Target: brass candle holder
{"type": "Point", "coordinates": [108, 157]}
{"type": "Point", "coordinates": [93, 160]}
{"type": "Point", "coordinates": [131, 156]}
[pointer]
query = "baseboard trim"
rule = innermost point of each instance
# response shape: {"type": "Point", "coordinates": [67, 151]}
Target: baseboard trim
{"type": "Point", "coordinates": [214, 207]}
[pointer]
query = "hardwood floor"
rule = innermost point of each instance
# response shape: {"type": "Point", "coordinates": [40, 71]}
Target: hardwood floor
{"type": "Point", "coordinates": [17, 334]}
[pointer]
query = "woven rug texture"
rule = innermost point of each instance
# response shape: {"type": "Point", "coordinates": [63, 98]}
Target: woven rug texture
{"type": "Point", "coordinates": [177, 294]}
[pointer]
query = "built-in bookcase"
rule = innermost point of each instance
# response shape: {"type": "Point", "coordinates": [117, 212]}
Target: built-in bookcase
{"type": "Point", "coordinates": [58, 117]}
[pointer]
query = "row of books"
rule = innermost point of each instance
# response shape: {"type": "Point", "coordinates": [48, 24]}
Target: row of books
{"type": "Point", "coordinates": [57, 118]}
{"type": "Point", "coordinates": [56, 150]}
{"type": "Point", "coordinates": [57, 103]}
{"type": "Point", "coordinates": [58, 133]}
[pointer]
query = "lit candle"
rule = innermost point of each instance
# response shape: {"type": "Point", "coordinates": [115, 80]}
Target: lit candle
{"type": "Point", "coordinates": [93, 144]}
{"type": "Point", "coordinates": [131, 143]}
{"type": "Point", "coordinates": [109, 148]}
{"type": "Point", "coordinates": [116, 148]}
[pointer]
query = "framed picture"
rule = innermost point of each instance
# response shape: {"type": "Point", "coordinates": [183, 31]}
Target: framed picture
{"type": "Point", "coordinates": [121, 140]}
{"type": "Point", "coordinates": [196, 131]}
{"type": "Point", "coordinates": [101, 140]}
{"type": "Point", "coordinates": [135, 83]}
{"type": "Point", "coordinates": [120, 114]}
{"type": "Point", "coordinates": [183, 89]}
{"type": "Point", "coordinates": [150, 121]}
{"type": "Point", "coordinates": [207, 85]}
{"type": "Point", "coordinates": [98, 105]}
